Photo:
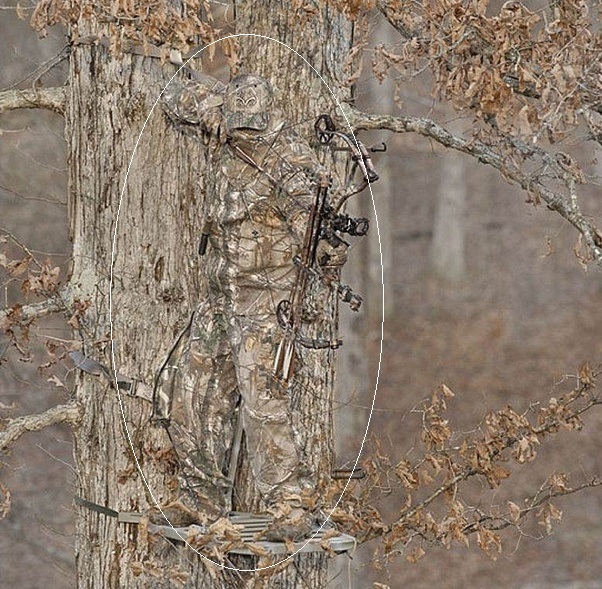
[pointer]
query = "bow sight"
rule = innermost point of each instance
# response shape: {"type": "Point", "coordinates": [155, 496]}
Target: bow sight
{"type": "Point", "coordinates": [335, 221]}
{"type": "Point", "coordinates": [354, 226]}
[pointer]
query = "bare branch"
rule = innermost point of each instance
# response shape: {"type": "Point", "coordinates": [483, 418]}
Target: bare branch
{"type": "Point", "coordinates": [59, 302]}
{"type": "Point", "coordinates": [41, 69]}
{"type": "Point", "coordinates": [533, 184]}
{"type": "Point", "coordinates": [54, 201]}
{"type": "Point", "coordinates": [15, 428]}
{"type": "Point", "coordinates": [499, 523]}
{"type": "Point", "coordinates": [53, 99]}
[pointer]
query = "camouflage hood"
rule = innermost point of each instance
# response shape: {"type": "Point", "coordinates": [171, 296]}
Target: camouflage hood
{"type": "Point", "coordinates": [247, 103]}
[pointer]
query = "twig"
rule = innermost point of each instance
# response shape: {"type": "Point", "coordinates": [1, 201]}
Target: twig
{"type": "Point", "coordinates": [37, 198]}
{"type": "Point", "coordinates": [42, 69]}
{"type": "Point", "coordinates": [499, 523]}
{"type": "Point", "coordinates": [60, 460]}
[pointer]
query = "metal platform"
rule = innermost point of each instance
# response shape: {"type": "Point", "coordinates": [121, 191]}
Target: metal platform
{"type": "Point", "coordinates": [250, 526]}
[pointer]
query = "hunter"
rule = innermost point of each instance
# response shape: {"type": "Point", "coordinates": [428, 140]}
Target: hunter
{"type": "Point", "coordinates": [261, 181]}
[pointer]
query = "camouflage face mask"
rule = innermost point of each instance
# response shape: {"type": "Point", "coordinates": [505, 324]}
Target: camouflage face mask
{"type": "Point", "coordinates": [247, 103]}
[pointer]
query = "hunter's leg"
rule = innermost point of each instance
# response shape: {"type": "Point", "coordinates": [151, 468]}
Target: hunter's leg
{"type": "Point", "coordinates": [203, 395]}
{"type": "Point", "coordinates": [271, 444]}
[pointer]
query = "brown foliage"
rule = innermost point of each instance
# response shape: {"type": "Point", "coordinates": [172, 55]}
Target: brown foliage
{"type": "Point", "coordinates": [159, 22]}
{"type": "Point", "coordinates": [532, 73]}
{"type": "Point", "coordinates": [523, 75]}
{"type": "Point", "coordinates": [436, 508]}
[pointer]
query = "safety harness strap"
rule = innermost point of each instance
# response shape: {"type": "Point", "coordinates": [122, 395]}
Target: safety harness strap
{"type": "Point", "coordinates": [130, 386]}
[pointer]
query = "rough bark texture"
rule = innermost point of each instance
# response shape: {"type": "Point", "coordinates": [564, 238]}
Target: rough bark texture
{"type": "Point", "coordinates": [49, 98]}
{"type": "Point", "coordinates": [155, 286]}
{"type": "Point", "coordinates": [13, 429]}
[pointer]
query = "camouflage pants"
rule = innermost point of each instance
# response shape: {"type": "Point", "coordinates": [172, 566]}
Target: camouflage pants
{"type": "Point", "coordinates": [221, 363]}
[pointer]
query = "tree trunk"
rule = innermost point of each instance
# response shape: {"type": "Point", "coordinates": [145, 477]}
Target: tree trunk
{"type": "Point", "coordinates": [447, 256]}
{"type": "Point", "coordinates": [154, 287]}
{"type": "Point", "coordinates": [150, 251]}
{"type": "Point", "coordinates": [303, 97]}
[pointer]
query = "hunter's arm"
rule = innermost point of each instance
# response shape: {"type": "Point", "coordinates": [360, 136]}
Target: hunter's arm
{"type": "Point", "coordinates": [195, 102]}
{"type": "Point", "coordinates": [302, 177]}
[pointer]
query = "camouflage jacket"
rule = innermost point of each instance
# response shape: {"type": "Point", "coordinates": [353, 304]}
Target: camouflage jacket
{"type": "Point", "coordinates": [260, 190]}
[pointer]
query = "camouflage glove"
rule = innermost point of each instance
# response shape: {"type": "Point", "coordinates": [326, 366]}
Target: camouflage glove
{"type": "Point", "coordinates": [331, 256]}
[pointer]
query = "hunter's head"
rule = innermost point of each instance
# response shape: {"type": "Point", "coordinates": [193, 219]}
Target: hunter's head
{"type": "Point", "coordinates": [247, 103]}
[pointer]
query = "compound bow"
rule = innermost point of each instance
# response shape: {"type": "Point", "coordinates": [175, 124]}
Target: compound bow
{"type": "Point", "coordinates": [326, 222]}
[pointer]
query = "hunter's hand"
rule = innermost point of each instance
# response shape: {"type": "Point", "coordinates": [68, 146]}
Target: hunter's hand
{"type": "Point", "coordinates": [329, 256]}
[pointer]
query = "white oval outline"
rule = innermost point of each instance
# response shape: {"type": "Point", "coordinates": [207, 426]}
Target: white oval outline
{"type": "Point", "coordinates": [114, 368]}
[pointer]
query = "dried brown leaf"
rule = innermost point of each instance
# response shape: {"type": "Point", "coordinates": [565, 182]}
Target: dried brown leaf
{"type": "Point", "coordinates": [257, 549]}
{"type": "Point", "coordinates": [415, 555]}
{"type": "Point", "coordinates": [409, 478]}
{"type": "Point", "coordinates": [515, 512]}
{"type": "Point", "coordinates": [18, 267]}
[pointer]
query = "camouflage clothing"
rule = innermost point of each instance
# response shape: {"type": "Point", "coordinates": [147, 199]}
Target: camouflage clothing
{"type": "Point", "coordinates": [261, 186]}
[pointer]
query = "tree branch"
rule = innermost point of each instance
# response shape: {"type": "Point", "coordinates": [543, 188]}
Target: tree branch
{"type": "Point", "coordinates": [58, 302]}
{"type": "Point", "coordinates": [499, 522]}
{"type": "Point", "coordinates": [505, 442]}
{"type": "Point", "coordinates": [15, 428]}
{"type": "Point", "coordinates": [28, 313]}
{"type": "Point", "coordinates": [592, 236]}
{"type": "Point", "coordinates": [53, 99]}
{"type": "Point", "coordinates": [443, 468]}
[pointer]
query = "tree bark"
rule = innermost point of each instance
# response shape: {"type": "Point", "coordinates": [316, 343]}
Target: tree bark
{"type": "Point", "coordinates": [303, 96]}
{"type": "Point", "coordinates": [47, 98]}
{"type": "Point", "coordinates": [147, 242]}
{"type": "Point", "coordinates": [13, 429]}
{"type": "Point", "coordinates": [154, 286]}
